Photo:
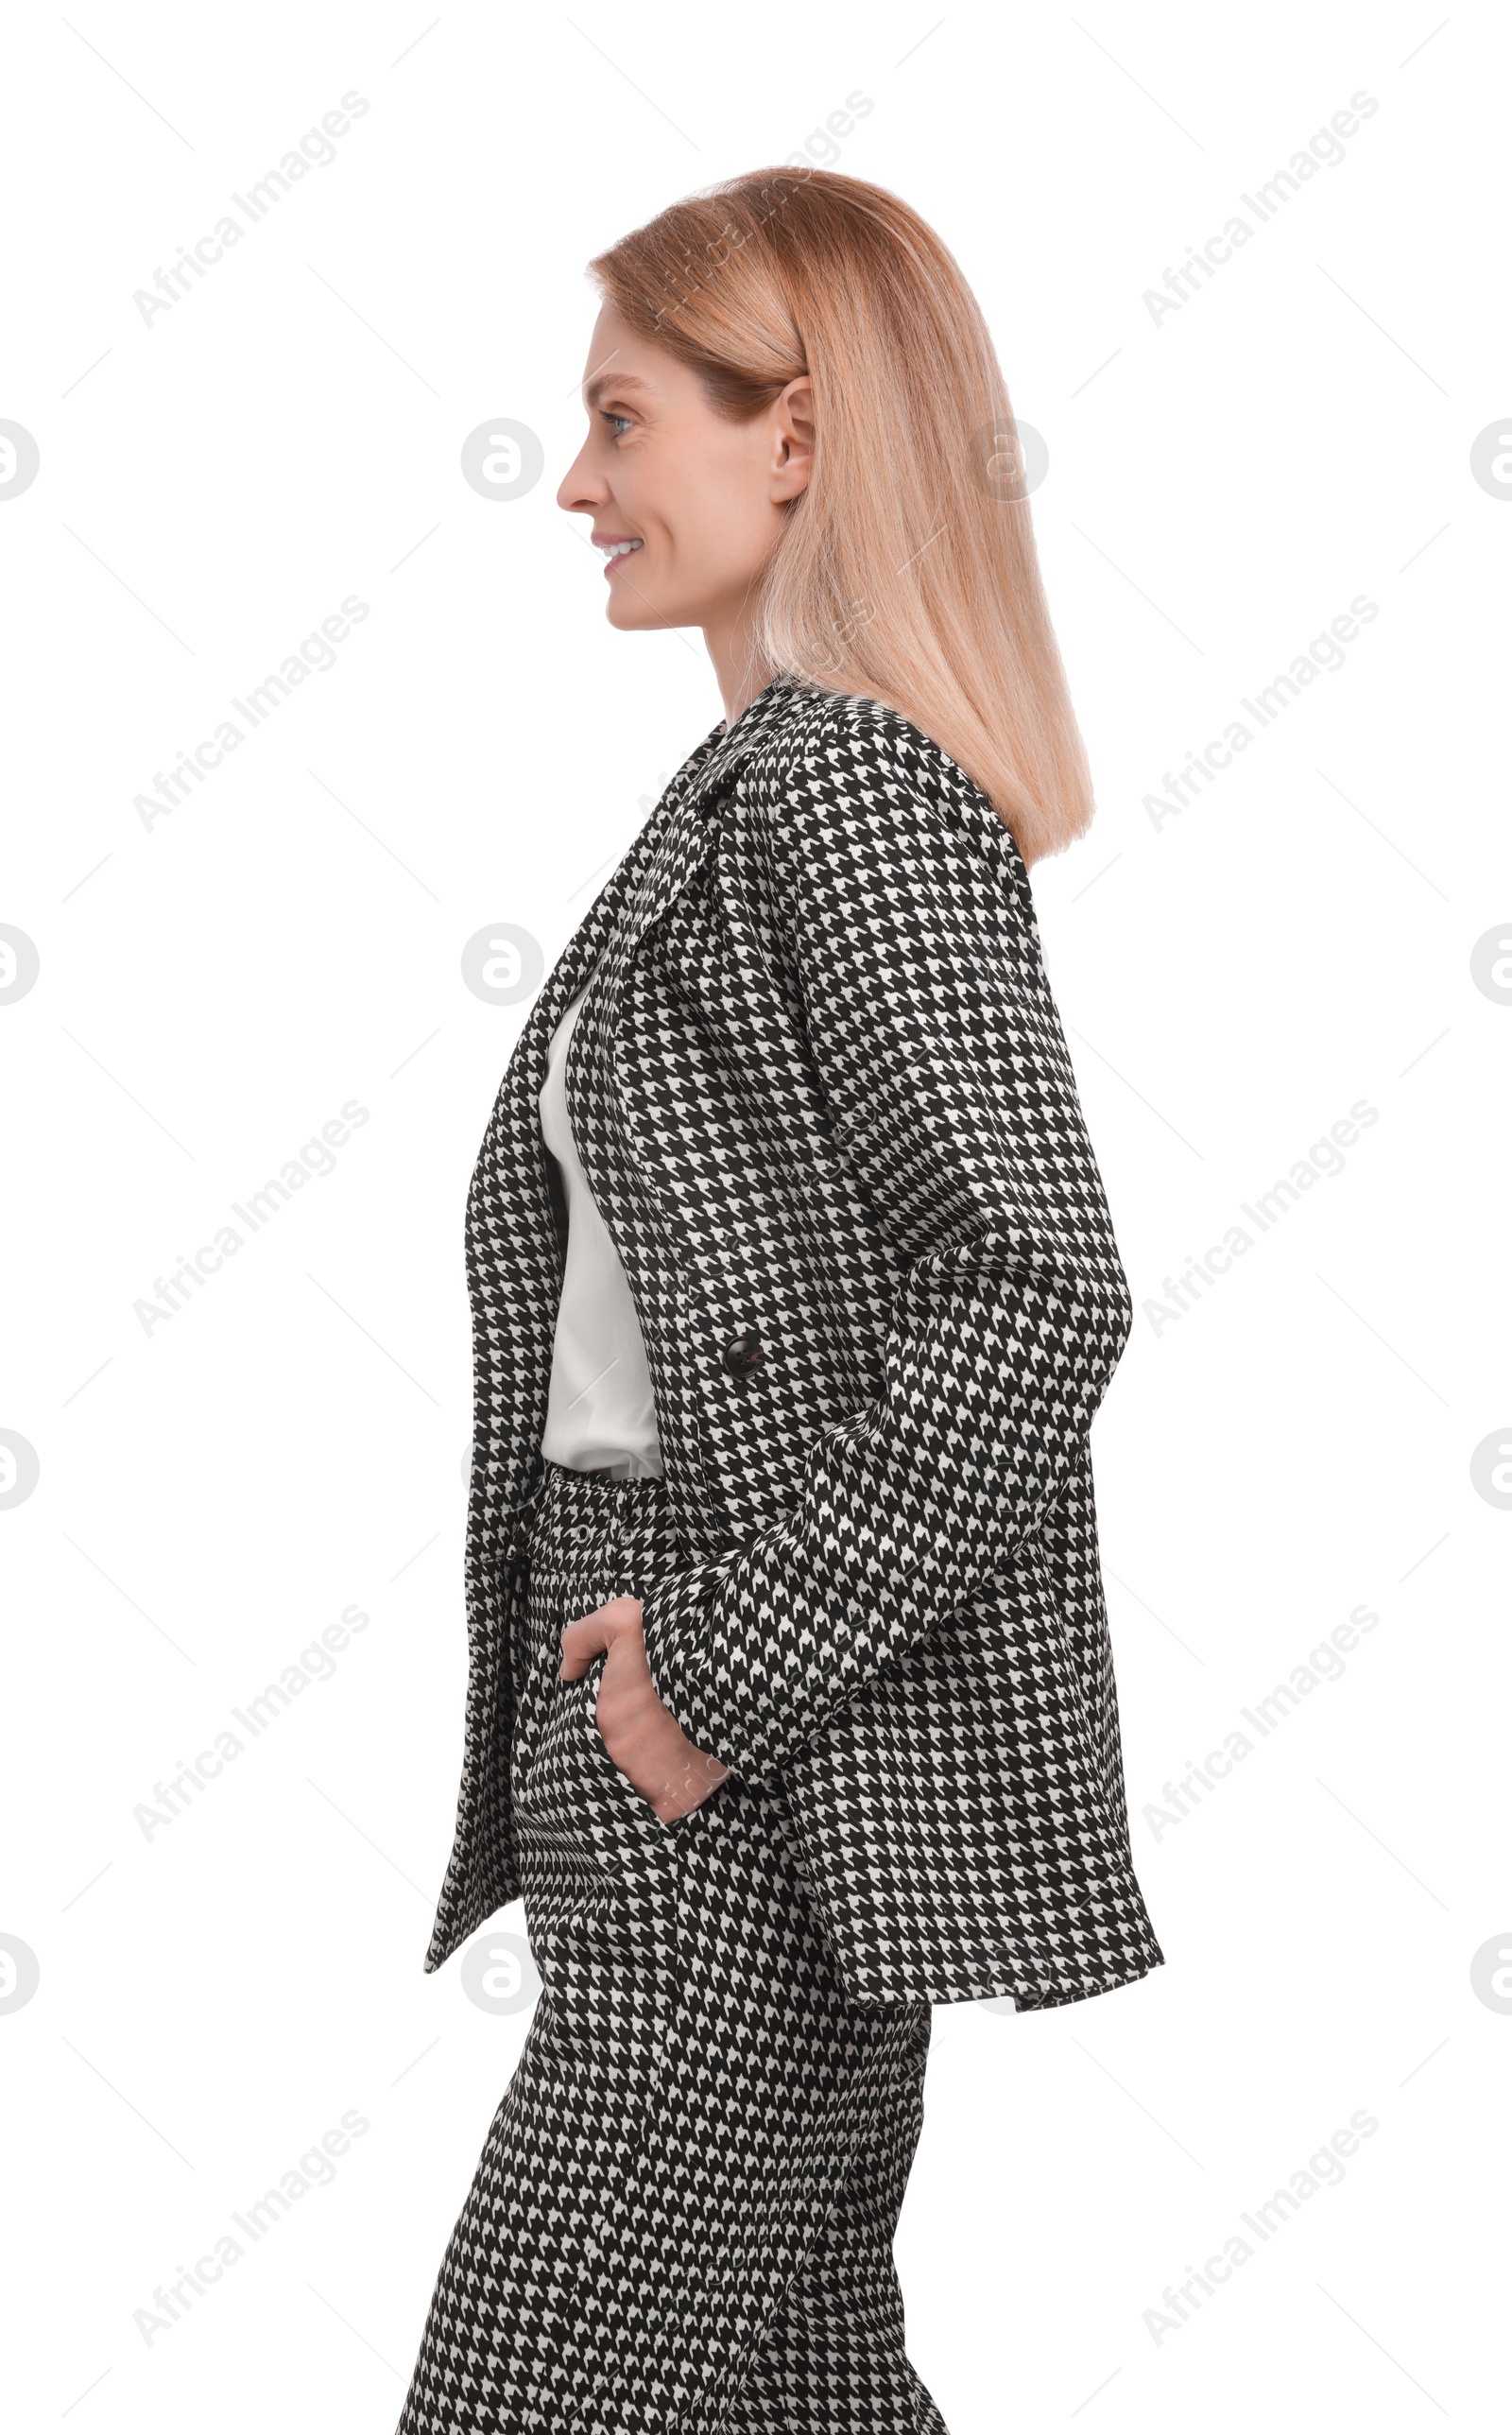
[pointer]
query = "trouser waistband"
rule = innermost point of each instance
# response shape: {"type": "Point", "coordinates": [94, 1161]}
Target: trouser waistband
{"type": "Point", "coordinates": [585, 1510]}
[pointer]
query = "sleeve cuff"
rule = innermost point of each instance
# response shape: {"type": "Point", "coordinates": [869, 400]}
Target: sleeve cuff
{"type": "Point", "coordinates": [676, 1625]}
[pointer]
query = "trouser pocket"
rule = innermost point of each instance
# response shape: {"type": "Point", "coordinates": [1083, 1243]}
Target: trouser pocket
{"type": "Point", "coordinates": [629, 1801]}
{"type": "Point", "coordinates": [568, 1791]}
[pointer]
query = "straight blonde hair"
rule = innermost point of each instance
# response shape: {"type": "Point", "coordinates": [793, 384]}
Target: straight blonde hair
{"type": "Point", "coordinates": [906, 570]}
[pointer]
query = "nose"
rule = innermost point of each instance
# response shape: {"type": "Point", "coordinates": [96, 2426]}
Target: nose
{"type": "Point", "coordinates": [581, 491]}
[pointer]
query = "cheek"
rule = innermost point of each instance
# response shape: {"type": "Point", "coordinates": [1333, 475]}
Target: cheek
{"type": "Point", "coordinates": [651, 499]}
{"type": "Point", "coordinates": [716, 520]}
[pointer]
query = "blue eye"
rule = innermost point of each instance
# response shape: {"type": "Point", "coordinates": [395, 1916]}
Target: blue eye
{"type": "Point", "coordinates": [618, 418]}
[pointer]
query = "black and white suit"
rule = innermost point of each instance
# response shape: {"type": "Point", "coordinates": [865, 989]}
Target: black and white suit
{"type": "Point", "coordinates": [832, 1125]}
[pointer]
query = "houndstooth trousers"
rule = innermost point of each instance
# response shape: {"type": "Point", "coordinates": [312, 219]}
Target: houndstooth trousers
{"type": "Point", "coordinates": [683, 2215]}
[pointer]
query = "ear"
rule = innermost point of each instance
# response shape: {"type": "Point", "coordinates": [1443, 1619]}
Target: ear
{"type": "Point", "coordinates": [791, 439]}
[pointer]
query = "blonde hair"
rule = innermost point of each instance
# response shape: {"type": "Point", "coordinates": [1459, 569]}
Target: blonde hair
{"type": "Point", "coordinates": [906, 570]}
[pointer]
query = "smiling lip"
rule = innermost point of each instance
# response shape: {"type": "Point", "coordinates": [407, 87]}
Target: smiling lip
{"type": "Point", "coordinates": [619, 543]}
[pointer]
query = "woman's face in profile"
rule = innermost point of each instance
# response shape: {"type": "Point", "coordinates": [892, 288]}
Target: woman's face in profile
{"type": "Point", "coordinates": [700, 499]}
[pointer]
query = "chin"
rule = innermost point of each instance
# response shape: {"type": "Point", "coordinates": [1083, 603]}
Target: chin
{"type": "Point", "coordinates": [631, 616]}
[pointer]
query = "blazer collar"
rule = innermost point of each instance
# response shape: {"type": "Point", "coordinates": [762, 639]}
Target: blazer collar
{"type": "Point", "coordinates": [688, 833]}
{"type": "Point", "coordinates": [658, 866]}
{"type": "Point", "coordinates": [729, 743]}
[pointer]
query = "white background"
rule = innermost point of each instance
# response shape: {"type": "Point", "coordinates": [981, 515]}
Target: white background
{"type": "Point", "coordinates": [213, 987]}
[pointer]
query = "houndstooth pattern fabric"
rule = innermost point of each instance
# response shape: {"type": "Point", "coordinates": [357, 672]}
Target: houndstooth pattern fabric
{"type": "Point", "coordinates": [685, 2211]}
{"type": "Point", "coordinates": [827, 1106]}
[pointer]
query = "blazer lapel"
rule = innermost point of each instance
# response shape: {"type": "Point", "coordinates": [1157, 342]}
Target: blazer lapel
{"type": "Point", "coordinates": [684, 844]}
{"type": "Point", "coordinates": [516, 1261]}
{"type": "Point", "coordinates": [514, 1258]}
{"type": "Point", "coordinates": [658, 866]}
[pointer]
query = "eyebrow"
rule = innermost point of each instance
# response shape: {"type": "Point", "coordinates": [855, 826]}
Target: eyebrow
{"type": "Point", "coordinates": [602, 382]}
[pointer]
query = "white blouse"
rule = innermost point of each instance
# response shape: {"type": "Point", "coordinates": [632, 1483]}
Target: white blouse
{"type": "Point", "coordinates": [600, 1413]}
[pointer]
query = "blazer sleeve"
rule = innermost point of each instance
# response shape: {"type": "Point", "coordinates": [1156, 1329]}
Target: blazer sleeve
{"type": "Point", "coordinates": [905, 910]}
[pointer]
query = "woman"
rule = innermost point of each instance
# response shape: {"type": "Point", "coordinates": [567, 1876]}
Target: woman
{"type": "Point", "coordinates": [791, 1710]}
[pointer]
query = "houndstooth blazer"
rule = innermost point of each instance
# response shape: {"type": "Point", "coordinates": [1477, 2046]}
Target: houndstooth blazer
{"type": "Point", "coordinates": [821, 1093]}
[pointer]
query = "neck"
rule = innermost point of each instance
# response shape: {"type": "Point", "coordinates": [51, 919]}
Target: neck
{"type": "Point", "coordinates": [741, 674]}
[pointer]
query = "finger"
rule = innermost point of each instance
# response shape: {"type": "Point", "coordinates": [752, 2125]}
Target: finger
{"type": "Point", "coordinates": [687, 1792]}
{"type": "Point", "coordinates": [689, 1780]}
{"type": "Point", "coordinates": [581, 1641]}
{"type": "Point", "coordinates": [583, 1638]}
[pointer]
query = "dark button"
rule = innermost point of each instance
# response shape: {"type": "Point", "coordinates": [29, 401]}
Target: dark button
{"type": "Point", "coordinates": [743, 1354]}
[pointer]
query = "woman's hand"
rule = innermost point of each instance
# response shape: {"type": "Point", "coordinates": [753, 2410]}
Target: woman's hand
{"type": "Point", "coordinates": [643, 1739]}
